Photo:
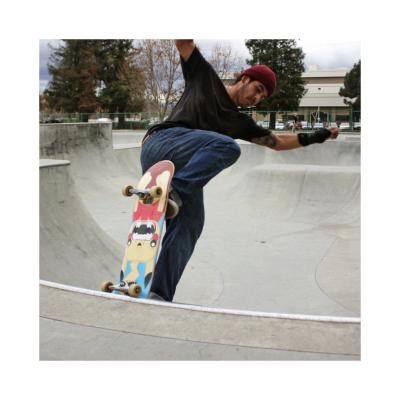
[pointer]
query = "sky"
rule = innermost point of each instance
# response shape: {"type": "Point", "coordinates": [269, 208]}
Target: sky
{"type": "Point", "coordinates": [328, 54]}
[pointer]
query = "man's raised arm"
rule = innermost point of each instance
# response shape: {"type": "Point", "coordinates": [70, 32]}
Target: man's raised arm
{"type": "Point", "coordinates": [185, 47]}
{"type": "Point", "coordinates": [290, 141]}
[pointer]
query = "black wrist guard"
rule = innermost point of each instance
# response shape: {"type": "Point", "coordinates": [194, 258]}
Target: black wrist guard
{"type": "Point", "coordinates": [316, 137]}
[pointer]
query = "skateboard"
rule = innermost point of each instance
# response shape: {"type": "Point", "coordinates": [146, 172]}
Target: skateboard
{"type": "Point", "coordinates": [144, 235]}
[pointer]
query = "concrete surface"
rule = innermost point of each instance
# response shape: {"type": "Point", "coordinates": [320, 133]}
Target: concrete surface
{"type": "Point", "coordinates": [243, 332]}
{"type": "Point", "coordinates": [291, 219]}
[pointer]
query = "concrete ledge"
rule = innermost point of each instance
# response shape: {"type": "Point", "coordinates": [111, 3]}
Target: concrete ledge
{"type": "Point", "coordinates": [64, 138]}
{"type": "Point", "coordinates": [328, 335]}
{"type": "Point", "coordinates": [46, 163]}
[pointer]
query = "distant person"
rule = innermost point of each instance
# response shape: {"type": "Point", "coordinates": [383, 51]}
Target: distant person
{"type": "Point", "coordinates": [313, 119]}
{"type": "Point", "coordinates": [199, 138]}
{"type": "Point", "coordinates": [295, 122]}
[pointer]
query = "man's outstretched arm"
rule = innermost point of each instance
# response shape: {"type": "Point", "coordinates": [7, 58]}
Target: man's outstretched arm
{"type": "Point", "coordinates": [290, 141]}
{"type": "Point", "coordinates": [185, 47]}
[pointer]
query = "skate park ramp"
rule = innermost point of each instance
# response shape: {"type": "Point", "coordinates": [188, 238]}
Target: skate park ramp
{"type": "Point", "coordinates": [281, 244]}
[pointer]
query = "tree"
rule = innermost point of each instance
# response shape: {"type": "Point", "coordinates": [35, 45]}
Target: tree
{"type": "Point", "coordinates": [44, 102]}
{"type": "Point", "coordinates": [352, 87]}
{"type": "Point", "coordinates": [286, 60]}
{"type": "Point", "coordinates": [93, 75]}
{"type": "Point", "coordinates": [224, 61]}
{"type": "Point", "coordinates": [74, 79]}
{"type": "Point", "coordinates": [121, 80]}
{"type": "Point", "coordinates": [162, 74]}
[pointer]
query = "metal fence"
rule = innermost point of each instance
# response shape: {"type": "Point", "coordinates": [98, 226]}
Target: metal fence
{"type": "Point", "coordinates": [284, 120]}
{"type": "Point", "coordinates": [141, 120]}
{"type": "Point", "coordinates": [310, 120]}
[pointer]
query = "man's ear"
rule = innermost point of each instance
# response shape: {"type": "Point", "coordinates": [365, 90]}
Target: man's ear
{"type": "Point", "coordinates": [245, 79]}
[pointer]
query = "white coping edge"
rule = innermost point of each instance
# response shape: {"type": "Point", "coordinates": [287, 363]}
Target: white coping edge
{"type": "Point", "coordinates": [47, 162]}
{"type": "Point", "coordinates": [314, 318]}
{"type": "Point", "coordinates": [126, 146]}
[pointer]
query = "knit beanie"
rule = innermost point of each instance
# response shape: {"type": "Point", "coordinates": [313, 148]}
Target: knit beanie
{"type": "Point", "coordinates": [263, 74]}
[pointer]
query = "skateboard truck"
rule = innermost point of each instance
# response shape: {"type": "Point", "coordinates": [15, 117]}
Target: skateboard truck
{"type": "Point", "coordinates": [143, 194]}
{"type": "Point", "coordinates": [130, 288]}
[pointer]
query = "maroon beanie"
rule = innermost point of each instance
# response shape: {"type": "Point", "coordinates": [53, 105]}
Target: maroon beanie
{"type": "Point", "coordinates": [263, 74]}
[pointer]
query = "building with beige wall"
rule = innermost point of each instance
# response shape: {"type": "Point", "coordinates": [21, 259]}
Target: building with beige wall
{"type": "Point", "coordinates": [322, 97]}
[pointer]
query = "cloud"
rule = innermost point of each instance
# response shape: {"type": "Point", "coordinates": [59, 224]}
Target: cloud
{"type": "Point", "coordinates": [331, 55]}
{"type": "Point", "coordinates": [43, 85]}
{"type": "Point", "coordinates": [44, 55]}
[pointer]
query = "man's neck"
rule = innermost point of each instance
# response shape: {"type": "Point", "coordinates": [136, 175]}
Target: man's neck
{"type": "Point", "coordinates": [232, 93]}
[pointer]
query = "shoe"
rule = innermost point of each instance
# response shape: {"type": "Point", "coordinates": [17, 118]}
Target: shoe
{"type": "Point", "coordinates": [173, 205]}
{"type": "Point", "coordinates": [154, 296]}
{"type": "Point", "coordinates": [174, 195]}
{"type": "Point", "coordinates": [172, 209]}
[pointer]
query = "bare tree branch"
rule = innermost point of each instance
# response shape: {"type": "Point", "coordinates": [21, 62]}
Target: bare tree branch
{"type": "Point", "coordinates": [162, 74]}
{"type": "Point", "coordinates": [224, 60]}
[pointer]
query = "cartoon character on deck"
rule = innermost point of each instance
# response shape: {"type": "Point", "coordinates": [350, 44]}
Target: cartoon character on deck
{"type": "Point", "coordinates": [143, 237]}
{"type": "Point", "coordinates": [142, 241]}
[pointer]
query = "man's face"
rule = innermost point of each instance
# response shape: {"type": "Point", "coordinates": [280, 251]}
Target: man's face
{"type": "Point", "coordinates": [250, 93]}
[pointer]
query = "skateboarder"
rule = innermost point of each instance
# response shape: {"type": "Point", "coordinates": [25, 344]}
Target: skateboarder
{"type": "Point", "coordinates": [198, 137]}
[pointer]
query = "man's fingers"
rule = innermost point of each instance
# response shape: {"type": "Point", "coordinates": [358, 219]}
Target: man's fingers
{"type": "Point", "coordinates": [334, 133]}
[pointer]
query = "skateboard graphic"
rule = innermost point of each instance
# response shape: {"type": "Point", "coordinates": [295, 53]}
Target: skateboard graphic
{"type": "Point", "coordinates": [145, 232]}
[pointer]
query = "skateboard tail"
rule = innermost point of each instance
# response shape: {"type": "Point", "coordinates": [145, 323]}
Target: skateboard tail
{"type": "Point", "coordinates": [142, 278]}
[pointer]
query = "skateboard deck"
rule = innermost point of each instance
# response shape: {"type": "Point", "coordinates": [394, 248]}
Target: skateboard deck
{"type": "Point", "coordinates": [144, 235]}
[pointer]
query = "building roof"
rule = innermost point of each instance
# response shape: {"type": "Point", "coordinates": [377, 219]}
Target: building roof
{"type": "Point", "coordinates": [322, 95]}
{"type": "Point", "coordinates": [314, 72]}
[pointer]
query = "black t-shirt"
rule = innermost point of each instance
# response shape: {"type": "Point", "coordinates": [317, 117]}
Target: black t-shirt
{"type": "Point", "coordinates": [205, 104]}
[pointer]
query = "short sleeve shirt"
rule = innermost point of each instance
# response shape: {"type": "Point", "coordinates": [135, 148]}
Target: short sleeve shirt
{"type": "Point", "coordinates": [206, 105]}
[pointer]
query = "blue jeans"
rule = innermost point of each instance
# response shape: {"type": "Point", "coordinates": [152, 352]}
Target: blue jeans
{"type": "Point", "coordinates": [198, 157]}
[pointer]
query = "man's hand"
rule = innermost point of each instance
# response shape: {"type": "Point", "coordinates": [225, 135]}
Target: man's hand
{"type": "Point", "coordinates": [185, 47]}
{"type": "Point", "coordinates": [305, 139]}
{"type": "Point", "coordinates": [334, 133]}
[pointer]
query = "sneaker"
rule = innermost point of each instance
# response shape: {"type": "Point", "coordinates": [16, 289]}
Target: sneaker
{"type": "Point", "coordinates": [172, 209]}
{"type": "Point", "coordinates": [155, 296]}
{"type": "Point", "coordinates": [173, 205]}
{"type": "Point", "coordinates": [174, 195]}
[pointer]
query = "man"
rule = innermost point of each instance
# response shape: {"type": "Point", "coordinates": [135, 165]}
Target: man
{"type": "Point", "coordinates": [198, 137]}
{"type": "Point", "coordinates": [296, 122]}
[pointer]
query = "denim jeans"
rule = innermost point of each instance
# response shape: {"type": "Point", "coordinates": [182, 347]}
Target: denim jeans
{"type": "Point", "coordinates": [198, 157]}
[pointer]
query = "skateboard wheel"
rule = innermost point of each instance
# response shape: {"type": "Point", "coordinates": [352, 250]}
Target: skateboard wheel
{"type": "Point", "coordinates": [105, 287]}
{"type": "Point", "coordinates": [127, 190]}
{"type": "Point", "coordinates": [134, 290]}
{"type": "Point", "coordinates": [156, 191]}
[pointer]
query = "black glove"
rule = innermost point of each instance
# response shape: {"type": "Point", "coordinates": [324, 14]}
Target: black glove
{"type": "Point", "coordinates": [320, 136]}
